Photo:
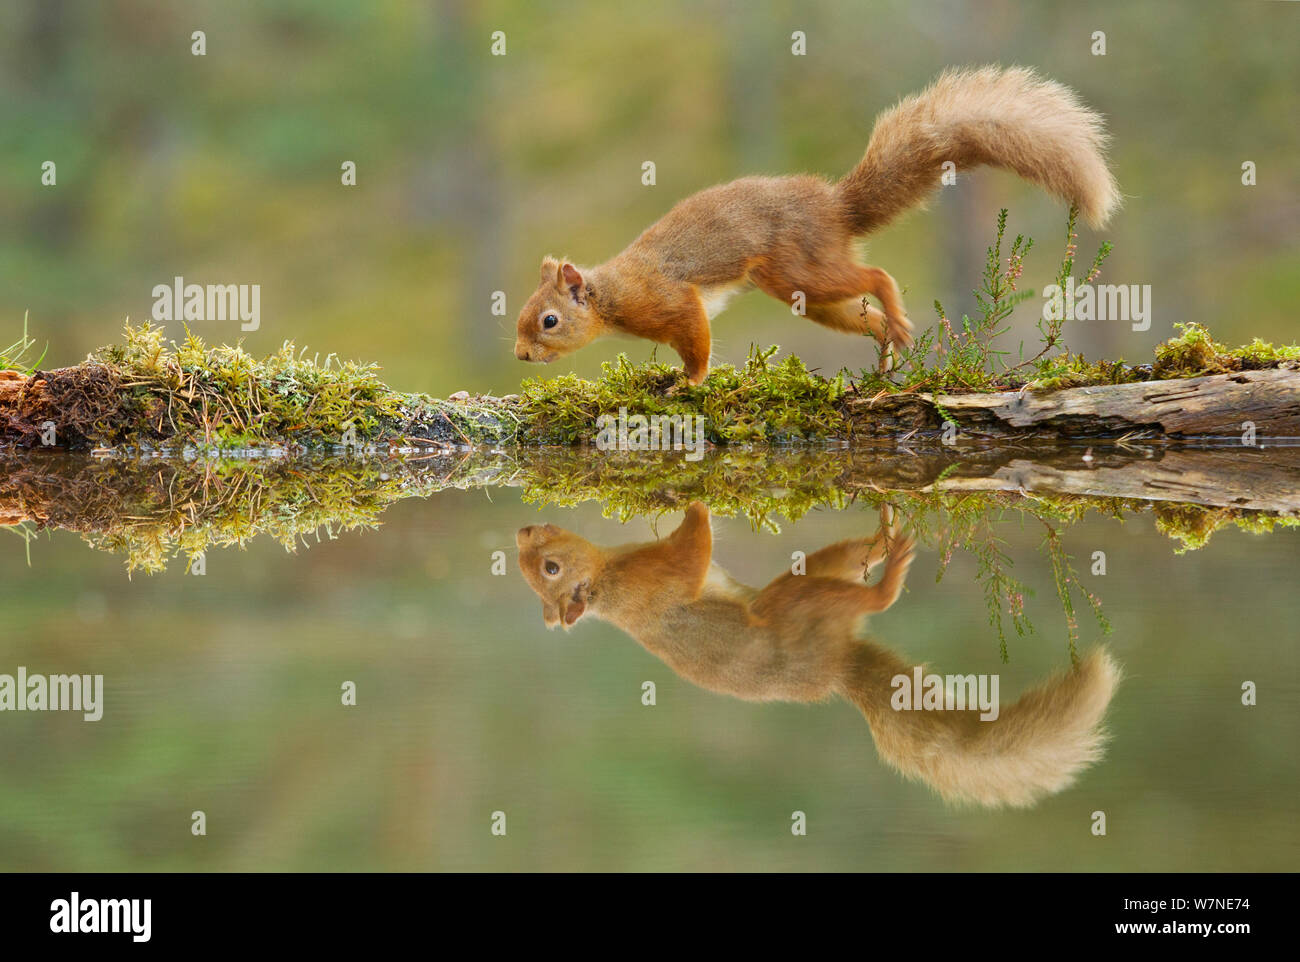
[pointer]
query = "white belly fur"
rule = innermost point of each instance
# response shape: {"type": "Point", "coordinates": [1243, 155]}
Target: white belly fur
{"type": "Point", "coordinates": [717, 297]}
{"type": "Point", "coordinates": [719, 584]}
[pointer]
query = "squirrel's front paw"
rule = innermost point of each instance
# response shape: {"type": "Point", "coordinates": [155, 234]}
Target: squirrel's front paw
{"type": "Point", "coordinates": [681, 385]}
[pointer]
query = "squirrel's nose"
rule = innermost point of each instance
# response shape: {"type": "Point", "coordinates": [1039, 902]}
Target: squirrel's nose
{"type": "Point", "coordinates": [521, 352]}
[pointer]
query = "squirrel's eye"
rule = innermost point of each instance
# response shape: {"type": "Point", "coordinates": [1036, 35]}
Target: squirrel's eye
{"type": "Point", "coordinates": [552, 568]}
{"type": "Point", "coordinates": [549, 321]}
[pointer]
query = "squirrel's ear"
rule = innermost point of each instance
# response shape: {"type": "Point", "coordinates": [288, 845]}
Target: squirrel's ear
{"type": "Point", "coordinates": [571, 278]}
{"type": "Point", "coordinates": [551, 271]}
{"type": "Point", "coordinates": [575, 606]}
{"type": "Point", "coordinates": [573, 611]}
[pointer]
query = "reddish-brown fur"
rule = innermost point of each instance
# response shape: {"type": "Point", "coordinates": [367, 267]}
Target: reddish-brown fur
{"type": "Point", "coordinates": [797, 640]}
{"type": "Point", "coordinates": [789, 235]}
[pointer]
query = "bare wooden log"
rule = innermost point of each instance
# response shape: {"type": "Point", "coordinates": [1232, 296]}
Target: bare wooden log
{"type": "Point", "coordinates": [1219, 405]}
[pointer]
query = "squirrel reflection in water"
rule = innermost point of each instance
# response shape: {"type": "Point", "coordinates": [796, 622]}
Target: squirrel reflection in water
{"type": "Point", "coordinates": [798, 640]}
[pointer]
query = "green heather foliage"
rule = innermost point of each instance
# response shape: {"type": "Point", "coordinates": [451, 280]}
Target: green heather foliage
{"type": "Point", "coordinates": [952, 358]}
{"type": "Point", "coordinates": [12, 358]}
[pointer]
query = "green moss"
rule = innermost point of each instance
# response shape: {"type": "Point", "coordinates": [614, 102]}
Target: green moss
{"type": "Point", "coordinates": [1074, 370]}
{"type": "Point", "coordinates": [761, 402]}
{"type": "Point", "coordinates": [146, 391]}
{"type": "Point", "coordinates": [225, 396]}
{"type": "Point", "coordinates": [1194, 353]}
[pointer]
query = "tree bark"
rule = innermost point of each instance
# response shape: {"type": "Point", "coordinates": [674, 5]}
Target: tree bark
{"type": "Point", "coordinates": [1220, 405]}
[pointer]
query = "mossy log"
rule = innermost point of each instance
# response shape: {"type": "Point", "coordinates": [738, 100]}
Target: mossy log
{"type": "Point", "coordinates": [90, 405]}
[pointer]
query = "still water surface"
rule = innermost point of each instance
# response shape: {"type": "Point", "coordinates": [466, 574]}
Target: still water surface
{"type": "Point", "coordinates": [223, 694]}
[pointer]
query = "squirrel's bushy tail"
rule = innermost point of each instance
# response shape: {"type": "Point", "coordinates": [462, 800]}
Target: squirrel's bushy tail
{"type": "Point", "coordinates": [1034, 747]}
{"type": "Point", "coordinates": [1010, 118]}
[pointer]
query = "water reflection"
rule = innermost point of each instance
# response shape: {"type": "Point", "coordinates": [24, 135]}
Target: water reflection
{"type": "Point", "coordinates": [798, 639]}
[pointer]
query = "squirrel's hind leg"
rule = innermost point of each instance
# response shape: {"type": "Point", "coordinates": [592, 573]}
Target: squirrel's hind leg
{"type": "Point", "coordinates": [834, 292]}
{"type": "Point", "coordinates": [851, 316]}
{"type": "Point", "coordinates": [846, 560]}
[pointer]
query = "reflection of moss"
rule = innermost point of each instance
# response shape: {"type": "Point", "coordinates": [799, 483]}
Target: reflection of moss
{"type": "Point", "coordinates": [1193, 524]}
{"type": "Point", "coordinates": [153, 510]}
{"type": "Point", "coordinates": [749, 484]}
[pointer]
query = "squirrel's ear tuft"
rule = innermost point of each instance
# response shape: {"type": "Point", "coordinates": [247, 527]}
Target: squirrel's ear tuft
{"type": "Point", "coordinates": [550, 270]}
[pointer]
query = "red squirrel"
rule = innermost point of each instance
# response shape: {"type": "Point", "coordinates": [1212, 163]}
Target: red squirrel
{"type": "Point", "coordinates": [794, 235]}
{"type": "Point", "coordinates": [798, 640]}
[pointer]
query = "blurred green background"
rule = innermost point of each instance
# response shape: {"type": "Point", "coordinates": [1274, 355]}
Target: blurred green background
{"type": "Point", "coordinates": [226, 168]}
{"type": "Point", "coordinates": [223, 691]}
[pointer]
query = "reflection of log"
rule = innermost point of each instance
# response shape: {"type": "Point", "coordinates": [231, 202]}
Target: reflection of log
{"type": "Point", "coordinates": [70, 491]}
{"type": "Point", "coordinates": [1243, 478]}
